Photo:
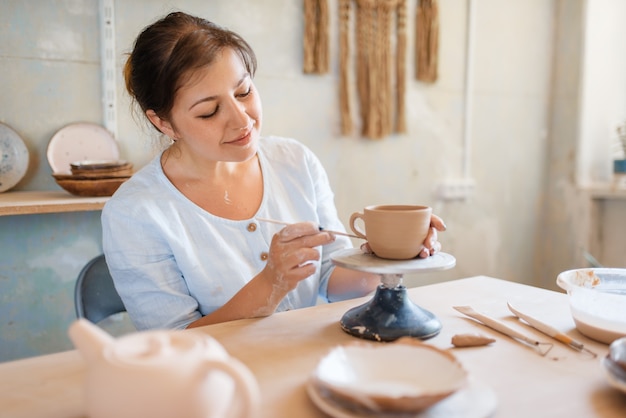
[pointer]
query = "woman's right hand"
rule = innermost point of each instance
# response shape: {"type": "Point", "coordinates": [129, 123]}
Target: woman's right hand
{"type": "Point", "coordinates": [292, 253]}
{"type": "Point", "coordinates": [291, 259]}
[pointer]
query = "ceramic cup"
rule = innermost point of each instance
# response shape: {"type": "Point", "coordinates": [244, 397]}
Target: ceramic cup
{"type": "Point", "coordinates": [395, 232]}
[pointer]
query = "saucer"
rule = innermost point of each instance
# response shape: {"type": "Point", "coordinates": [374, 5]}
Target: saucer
{"type": "Point", "coordinates": [476, 400]}
{"type": "Point", "coordinates": [356, 259]}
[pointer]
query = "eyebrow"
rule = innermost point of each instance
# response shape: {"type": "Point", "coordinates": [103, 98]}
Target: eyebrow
{"type": "Point", "coordinates": [210, 98]}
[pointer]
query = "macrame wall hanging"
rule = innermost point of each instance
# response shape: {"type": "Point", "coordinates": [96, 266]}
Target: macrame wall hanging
{"type": "Point", "coordinates": [427, 40]}
{"type": "Point", "coordinates": [379, 64]}
{"type": "Point", "coordinates": [316, 36]}
{"type": "Point", "coordinates": [376, 30]}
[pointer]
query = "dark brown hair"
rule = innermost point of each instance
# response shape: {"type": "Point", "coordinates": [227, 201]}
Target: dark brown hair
{"type": "Point", "coordinates": [167, 52]}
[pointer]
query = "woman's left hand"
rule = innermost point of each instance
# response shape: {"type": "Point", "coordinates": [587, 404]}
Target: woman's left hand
{"type": "Point", "coordinates": [430, 246]}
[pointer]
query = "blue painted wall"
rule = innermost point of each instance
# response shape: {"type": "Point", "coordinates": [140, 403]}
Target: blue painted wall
{"type": "Point", "coordinates": [40, 258]}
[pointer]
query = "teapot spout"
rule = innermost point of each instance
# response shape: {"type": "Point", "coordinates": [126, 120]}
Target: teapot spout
{"type": "Point", "coordinates": [89, 339]}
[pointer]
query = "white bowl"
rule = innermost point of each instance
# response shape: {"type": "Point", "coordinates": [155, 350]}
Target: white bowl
{"type": "Point", "coordinates": [406, 376]}
{"type": "Point", "coordinates": [597, 298]}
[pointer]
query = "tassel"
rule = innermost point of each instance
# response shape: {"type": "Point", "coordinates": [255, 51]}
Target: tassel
{"type": "Point", "coordinates": [344, 70]}
{"type": "Point", "coordinates": [316, 37]}
{"type": "Point", "coordinates": [374, 64]}
{"type": "Point", "coordinates": [427, 40]}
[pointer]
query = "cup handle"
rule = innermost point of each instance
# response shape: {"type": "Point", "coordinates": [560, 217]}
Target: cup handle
{"type": "Point", "coordinates": [353, 227]}
{"type": "Point", "coordinates": [247, 391]}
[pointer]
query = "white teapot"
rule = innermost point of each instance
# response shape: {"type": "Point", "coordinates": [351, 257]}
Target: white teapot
{"type": "Point", "coordinates": [162, 374]}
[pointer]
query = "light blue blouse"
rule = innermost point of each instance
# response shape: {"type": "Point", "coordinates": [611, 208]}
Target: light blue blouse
{"type": "Point", "coordinates": [173, 262]}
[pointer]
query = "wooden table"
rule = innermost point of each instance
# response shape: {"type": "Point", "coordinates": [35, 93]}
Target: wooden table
{"type": "Point", "coordinates": [283, 349]}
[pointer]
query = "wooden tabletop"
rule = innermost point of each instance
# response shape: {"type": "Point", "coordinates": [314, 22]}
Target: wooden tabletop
{"type": "Point", "coordinates": [283, 349]}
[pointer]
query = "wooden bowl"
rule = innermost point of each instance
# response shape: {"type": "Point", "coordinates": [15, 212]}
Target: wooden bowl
{"type": "Point", "coordinates": [90, 186]}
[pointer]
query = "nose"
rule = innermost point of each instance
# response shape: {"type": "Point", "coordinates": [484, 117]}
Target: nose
{"type": "Point", "coordinates": [239, 118]}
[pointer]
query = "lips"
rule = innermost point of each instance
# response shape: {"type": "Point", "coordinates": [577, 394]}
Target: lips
{"type": "Point", "coordinates": [242, 140]}
{"type": "Point", "coordinates": [245, 138]}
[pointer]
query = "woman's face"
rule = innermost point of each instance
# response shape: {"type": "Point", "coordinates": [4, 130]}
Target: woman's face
{"type": "Point", "coordinates": [217, 113]}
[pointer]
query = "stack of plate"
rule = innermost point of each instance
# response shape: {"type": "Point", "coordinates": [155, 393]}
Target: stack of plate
{"type": "Point", "coordinates": [95, 178]}
{"type": "Point", "coordinates": [84, 158]}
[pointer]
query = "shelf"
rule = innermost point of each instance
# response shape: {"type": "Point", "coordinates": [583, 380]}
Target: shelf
{"type": "Point", "coordinates": [606, 191]}
{"type": "Point", "coordinates": [25, 203]}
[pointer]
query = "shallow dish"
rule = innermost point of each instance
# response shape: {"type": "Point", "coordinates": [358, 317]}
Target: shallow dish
{"type": "Point", "coordinates": [476, 400]}
{"type": "Point", "coordinates": [91, 187]}
{"type": "Point", "coordinates": [80, 141]}
{"type": "Point", "coordinates": [615, 375]}
{"type": "Point", "coordinates": [14, 158]}
{"type": "Point", "coordinates": [617, 352]}
{"type": "Point", "coordinates": [597, 298]}
{"type": "Point", "coordinates": [405, 376]}
{"type": "Point", "coordinates": [89, 168]}
{"type": "Point", "coordinates": [99, 164]}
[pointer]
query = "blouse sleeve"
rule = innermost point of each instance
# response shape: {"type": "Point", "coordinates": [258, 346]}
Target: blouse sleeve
{"type": "Point", "coordinates": [143, 266]}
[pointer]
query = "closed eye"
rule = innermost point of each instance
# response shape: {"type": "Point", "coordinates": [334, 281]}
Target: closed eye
{"type": "Point", "coordinates": [246, 93]}
{"type": "Point", "coordinates": [209, 115]}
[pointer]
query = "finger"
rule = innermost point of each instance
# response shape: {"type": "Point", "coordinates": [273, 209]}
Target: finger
{"type": "Point", "coordinates": [365, 248]}
{"type": "Point", "coordinates": [300, 257]}
{"type": "Point", "coordinates": [297, 230]}
{"type": "Point", "coordinates": [437, 223]}
{"type": "Point", "coordinates": [299, 273]}
{"type": "Point", "coordinates": [424, 253]}
{"type": "Point", "coordinates": [431, 244]}
{"type": "Point", "coordinates": [431, 238]}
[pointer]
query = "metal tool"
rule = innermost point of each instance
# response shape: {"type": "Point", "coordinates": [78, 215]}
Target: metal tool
{"type": "Point", "coordinates": [540, 347]}
{"type": "Point", "coordinates": [551, 331]}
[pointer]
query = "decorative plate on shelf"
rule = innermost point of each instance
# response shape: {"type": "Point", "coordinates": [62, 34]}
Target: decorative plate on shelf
{"type": "Point", "coordinates": [13, 158]}
{"type": "Point", "coordinates": [79, 142]}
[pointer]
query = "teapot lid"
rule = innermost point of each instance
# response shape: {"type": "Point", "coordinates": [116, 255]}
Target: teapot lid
{"type": "Point", "coordinates": [154, 347]}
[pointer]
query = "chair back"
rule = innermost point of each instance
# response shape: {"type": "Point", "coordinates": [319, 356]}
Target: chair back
{"type": "Point", "coordinates": [95, 296]}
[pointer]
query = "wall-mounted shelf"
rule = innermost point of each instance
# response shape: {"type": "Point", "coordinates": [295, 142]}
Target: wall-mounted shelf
{"type": "Point", "coordinates": [606, 191]}
{"type": "Point", "coordinates": [25, 203]}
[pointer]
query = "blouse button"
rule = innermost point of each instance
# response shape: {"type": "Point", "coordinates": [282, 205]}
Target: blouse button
{"type": "Point", "coordinates": [264, 256]}
{"type": "Point", "coordinates": [252, 227]}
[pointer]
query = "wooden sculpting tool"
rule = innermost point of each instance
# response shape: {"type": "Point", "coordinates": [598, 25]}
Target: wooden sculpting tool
{"type": "Point", "coordinates": [551, 331]}
{"type": "Point", "coordinates": [540, 347]}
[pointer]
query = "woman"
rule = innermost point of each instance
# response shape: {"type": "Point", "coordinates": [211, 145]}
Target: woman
{"type": "Point", "coordinates": [182, 237]}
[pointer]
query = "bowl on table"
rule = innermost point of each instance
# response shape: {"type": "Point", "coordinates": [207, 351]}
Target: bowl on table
{"type": "Point", "coordinates": [597, 299]}
{"type": "Point", "coordinates": [614, 364]}
{"type": "Point", "coordinates": [403, 377]}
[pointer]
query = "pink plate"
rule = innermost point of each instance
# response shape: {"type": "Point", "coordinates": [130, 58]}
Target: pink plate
{"type": "Point", "coordinates": [78, 142]}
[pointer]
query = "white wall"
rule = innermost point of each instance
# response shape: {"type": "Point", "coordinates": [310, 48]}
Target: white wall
{"type": "Point", "coordinates": [492, 233]}
{"type": "Point", "coordinates": [603, 102]}
{"type": "Point", "coordinates": [521, 224]}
